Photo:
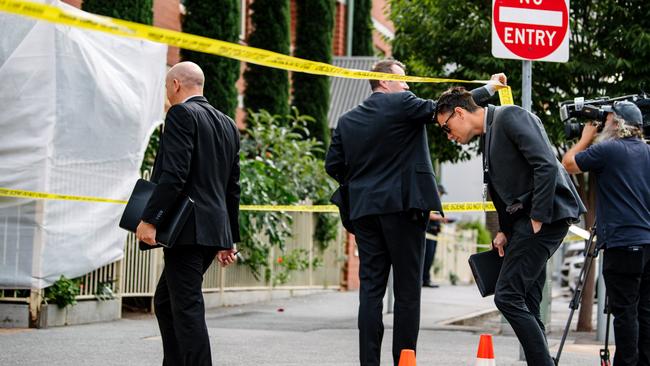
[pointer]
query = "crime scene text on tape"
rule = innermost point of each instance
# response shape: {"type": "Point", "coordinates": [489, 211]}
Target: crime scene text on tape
{"type": "Point", "coordinates": [201, 44]}
{"type": "Point", "coordinates": [19, 193]}
{"type": "Point", "coordinates": [505, 96]}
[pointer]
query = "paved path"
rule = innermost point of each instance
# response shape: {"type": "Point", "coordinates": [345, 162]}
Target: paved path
{"type": "Point", "coordinates": [310, 330]}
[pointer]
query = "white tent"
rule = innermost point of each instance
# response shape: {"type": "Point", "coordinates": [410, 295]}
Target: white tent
{"type": "Point", "coordinates": [77, 109]}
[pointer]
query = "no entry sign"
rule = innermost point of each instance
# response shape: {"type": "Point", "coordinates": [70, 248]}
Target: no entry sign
{"type": "Point", "coordinates": [531, 29]}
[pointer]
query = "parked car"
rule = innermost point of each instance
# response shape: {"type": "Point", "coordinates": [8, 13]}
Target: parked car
{"type": "Point", "coordinates": [574, 260]}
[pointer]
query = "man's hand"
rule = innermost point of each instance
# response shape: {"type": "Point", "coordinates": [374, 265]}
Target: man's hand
{"type": "Point", "coordinates": [499, 79]}
{"type": "Point", "coordinates": [434, 216]}
{"type": "Point", "coordinates": [569, 160]}
{"type": "Point", "coordinates": [537, 225]}
{"type": "Point", "coordinates": [499, 242]}
{"type": "Point", "coordinates": [226, 257]}
{"type": "Point", "coordinates": [589, 133]}
{"type": "Point", "coordinates": [146, 233]}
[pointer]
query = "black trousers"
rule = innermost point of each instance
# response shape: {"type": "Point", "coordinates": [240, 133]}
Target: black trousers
{"type": "Point", "coordinates": [519, 288]}
{"type": "Point", "coordinates": [429, 256]}
{"type": "Point", "coordinates": [395, 240]}
{"type": "Point", "coordinates": [179, 305]}
{"type": "Point", "coordinates": [627, 278]}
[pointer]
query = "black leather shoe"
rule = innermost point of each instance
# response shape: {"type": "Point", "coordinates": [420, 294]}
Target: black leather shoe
{"type": "Point", "coordinates": [429, 284]}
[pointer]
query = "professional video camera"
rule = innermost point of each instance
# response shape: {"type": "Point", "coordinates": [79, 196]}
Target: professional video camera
{"type": "Point", "coordinates": [574, 113]}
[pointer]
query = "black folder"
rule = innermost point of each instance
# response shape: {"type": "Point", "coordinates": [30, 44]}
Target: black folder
{"type": "Point", "coordinates": [485, 268]}
{"type": "Point", "coordinates": [168, 230]}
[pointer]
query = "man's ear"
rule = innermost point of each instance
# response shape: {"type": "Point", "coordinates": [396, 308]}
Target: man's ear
{"type": "Point", "coordinates": [177, 85]}
{"type": "Point", "coordinates": [460, 112]}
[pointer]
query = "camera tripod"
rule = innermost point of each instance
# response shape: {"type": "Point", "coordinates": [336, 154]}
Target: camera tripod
{"type": "Point", "coordinates": [591, 252]}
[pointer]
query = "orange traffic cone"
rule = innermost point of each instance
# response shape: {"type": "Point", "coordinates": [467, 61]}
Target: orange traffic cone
{"type": "Point", "coordinates": [407, 358]}
{"type": "Point", "coordinates": [485, 355]}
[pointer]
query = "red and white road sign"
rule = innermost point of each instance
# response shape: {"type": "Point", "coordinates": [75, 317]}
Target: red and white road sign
{"type": "Point", "coordinates": [531, 29]}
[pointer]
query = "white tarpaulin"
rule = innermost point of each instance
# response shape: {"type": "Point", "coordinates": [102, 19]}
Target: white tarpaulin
{"type": "Point", "coordinates": [76, 111]}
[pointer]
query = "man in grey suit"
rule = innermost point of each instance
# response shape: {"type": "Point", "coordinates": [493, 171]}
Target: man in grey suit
{"type": "Point", "coordinates": [535, 201]}
{"type": "Point", "coordinates": [379, 153]}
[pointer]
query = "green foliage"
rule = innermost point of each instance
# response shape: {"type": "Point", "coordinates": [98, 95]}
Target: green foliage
{"type": "Point", "coordinates": [278, 166]}
{"type": "Point", "coordinates": [294, 260]}
{"type": "Point", "coordinates": [150, 152]}
{"type": "Point", "coordinates": [311, 93]}
{"type": "Point", "coordinates": [362, 34]}
{"type": "Point", "coordinates": [63, 292]}
{"type": "Point", "coordinates": [140, 11]}
{"type": "Point", "coordinates": [327, 226]}
{"type": "Point", "coordinates": [453, 278]}
{"type": "Point", "coordinates": [609, 49]}
{"type": "Point", "coordinates": [483, 234]}
{"type": "Point", "coordinates": [268, 88]}
{"type": "Point", "coordinates": [218, 19]}
{"type": "Point", "coordinates": [105, 290]}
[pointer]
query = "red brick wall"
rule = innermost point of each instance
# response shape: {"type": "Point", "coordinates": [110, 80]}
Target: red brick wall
{"type": "Point", "coordinates": [166, 14]}
{"type": "Point", "coordinates": [75, 3]}
{"type": "Point", "coordinates": [338, 43]}
{"type": "Point", "coordinates": [249, 22]}
{"type": "Point", "coordinates": [380, 11]}
{"type": "Point", "coordinates": [352, 266]}
{"type": "Point", "coordinates": [293, 13]}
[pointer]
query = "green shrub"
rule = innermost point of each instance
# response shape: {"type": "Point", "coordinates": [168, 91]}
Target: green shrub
{"type": "Point", "coordinates": [311, 93]}
{"type": "Point", "coordinates": [63, 292]}
{"type": "Point", "coordinates": [139, 11]}
{"type": "Point", "coordinates": [362, 34]}
{"type": "Point", "coordinates": [484, 237]}
{"type": "Point", "coordinates": [279, 167]}
{"type": "Point", "coordinates": [268, 88]}
{"type": "Point", "coordinates": [218, 19]}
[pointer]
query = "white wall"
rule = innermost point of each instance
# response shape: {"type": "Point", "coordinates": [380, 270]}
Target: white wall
{"type": "Point", "coordinates": [464, 183]}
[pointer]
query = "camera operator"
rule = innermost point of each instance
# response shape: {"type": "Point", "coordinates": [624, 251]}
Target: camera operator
{"type": "Point", "coordinates": [621, 161]}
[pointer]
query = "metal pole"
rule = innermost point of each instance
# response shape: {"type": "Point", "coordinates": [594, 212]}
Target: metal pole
{"type": "Point", "coordinates": [601, 317]}
{"type": "Point", "coordinates": [526, 85]}
{"type": "Point", "coordinates": [350, 27]}
{"type": "Point", "coordinates": [390, 297]}
{"type": "Point", "coordinates": [526, 103]}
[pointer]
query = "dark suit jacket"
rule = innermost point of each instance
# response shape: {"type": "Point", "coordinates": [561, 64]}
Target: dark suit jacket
{"type": "Point", "coordinates": [379, 152]}
{"type": "Point", "coordinates": [199, 157]}
{"type": "Point", "coordinates": [523, 168]}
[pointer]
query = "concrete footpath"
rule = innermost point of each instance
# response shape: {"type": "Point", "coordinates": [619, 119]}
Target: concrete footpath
{"type": "Point", "coordinates": [316, 329]}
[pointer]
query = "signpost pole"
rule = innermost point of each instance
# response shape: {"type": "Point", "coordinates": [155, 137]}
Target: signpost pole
{"type": "Point", "coordinates": [526, 103]}
{"type": "Point", "coordinates": [526, 85]}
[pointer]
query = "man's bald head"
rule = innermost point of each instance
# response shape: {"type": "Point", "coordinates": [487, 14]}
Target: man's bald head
{"type": "Point", "coordinates": [184, 80]}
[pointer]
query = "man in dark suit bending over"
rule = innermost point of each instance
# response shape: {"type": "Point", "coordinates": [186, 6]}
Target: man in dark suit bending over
{"type": "Point", "coordinates": [379, 151]}
{"type": "Point", "coordinates": [198, 157]}
{"type": "Point", "coordinates": [535, 201]}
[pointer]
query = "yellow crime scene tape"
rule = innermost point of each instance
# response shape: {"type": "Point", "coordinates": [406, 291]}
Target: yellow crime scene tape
{"type": "Point", "coordinates": [505, 96]}
{"type": "Point", "coordinates": [220, 48]}
{"type": "Point", "coordinates": [201, 44]}
{"type": "Point", "coordinates": [19, 193]}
